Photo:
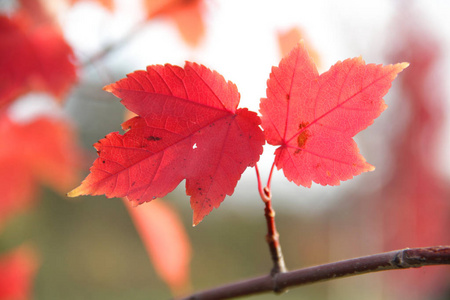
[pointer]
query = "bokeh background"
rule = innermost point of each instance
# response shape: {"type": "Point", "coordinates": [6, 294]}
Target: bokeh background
{"type": "Point", "coordinates": [89, 247]}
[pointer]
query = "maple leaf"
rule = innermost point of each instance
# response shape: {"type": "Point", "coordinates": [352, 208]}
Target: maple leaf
{"type": "Point", "coordinates": [41, 151]}
{"type": "Point", "coordinates": [314, 118]}
{"type": "Point", "coordinates": [33, 57]}
{"type": "Point", "coordinates": [188, 127]}
{"type": "Point", "coordinates": [165, 240]}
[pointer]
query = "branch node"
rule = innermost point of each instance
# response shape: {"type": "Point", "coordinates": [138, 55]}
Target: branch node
{"type": "Point", "coordinates": [275, 287]}
{"type": "Point", "coordinates": [267, 192]}
{"type": "Point", "coordinates": [399, 260]}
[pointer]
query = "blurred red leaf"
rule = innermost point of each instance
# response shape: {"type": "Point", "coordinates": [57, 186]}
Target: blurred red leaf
{"type": "Point", "coordinates": [187, 15]}
{"type": "Point", "coordinates": [416, 207]}
{"type": "Point", "coordinates": [108, 4]}
{"type": "Point", "coordinates": [314, 118]}
{"type": "Point", "coordinates": [166, 242]}
{"type": "Point", "coordinates": [35, 12]}
{"type": "Point", "coordinates": [17, 271]}
{"type": "Point", "coordinates": [188, 127]}
{"type": "Point", "coordinates": [288, 39]}
{"type": "Point", "coordinates": [41, 151]}
{"type": "Point", "coordinates": [33, 56]}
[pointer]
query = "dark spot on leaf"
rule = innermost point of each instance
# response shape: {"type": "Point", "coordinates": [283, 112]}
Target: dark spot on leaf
{"type": "Point", "coordinates": [133, 183]}
{"type": "Point", "coordinates": [288, 97]}
{"type": "Point", "coordinates": [153, 138]}
{"type": "Point", "coordinates": [199, 189]}
{"type": "Point", "coordinates": [103, 161]}
{"type": "Point", "coordinates": [303, 135]}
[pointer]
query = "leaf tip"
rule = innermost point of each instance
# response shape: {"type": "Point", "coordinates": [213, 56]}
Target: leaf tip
{"type": "Point", "coordinates": [75, 192]}
{"type": "Point", "coordinates": [108, 88]}
{"type": "Point", "coordinates": [196, 220]}
{"type": "Point", "coordinates": [404, 65]}
{"type": "Point", "coordinates": [198, 217]}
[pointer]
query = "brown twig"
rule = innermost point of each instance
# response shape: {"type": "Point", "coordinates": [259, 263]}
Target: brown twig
{"type": "Point", "coordinates": [400, 259]}
{"type": "Point", "coordinates": [152, 12]}
{"type": "Point", "coordinates": [273, 241]}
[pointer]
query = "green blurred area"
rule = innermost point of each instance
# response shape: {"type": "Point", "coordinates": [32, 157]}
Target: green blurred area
{"type": "Point", "coordinates": [89, 249]}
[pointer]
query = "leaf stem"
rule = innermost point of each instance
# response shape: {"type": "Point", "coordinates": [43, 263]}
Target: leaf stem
{"type": "Point", "coordinates": [261, 190]}
{"type": "Point", "coordinates": [269, 181]}
{"type": "Point", "coordinates": [272, 237]}
{"type": "Point", "coordinates": [399, 259]}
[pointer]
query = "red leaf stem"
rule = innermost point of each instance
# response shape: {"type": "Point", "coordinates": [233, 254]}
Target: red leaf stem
{"type": "Point", "coordinates": [272, 237]}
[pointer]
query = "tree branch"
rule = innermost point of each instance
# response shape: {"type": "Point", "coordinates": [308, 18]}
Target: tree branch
{"type": "Point", "coordinates": [115, 45]}
{"type": "Point", "coordinates": [400, 259]}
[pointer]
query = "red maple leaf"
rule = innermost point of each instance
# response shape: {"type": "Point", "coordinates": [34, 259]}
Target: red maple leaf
{"type": "Point", "coordinates": [33, 56]}
{"type": "Point", "coordinates": [41, 151]}
{"type": "Point", "coordinates": [188, 127]}
{"type": "Point", "coordinates": [314, 118]}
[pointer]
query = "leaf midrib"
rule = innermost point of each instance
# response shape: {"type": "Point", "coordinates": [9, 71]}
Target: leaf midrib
{"type": "Point", "coordinates": [337, 106]}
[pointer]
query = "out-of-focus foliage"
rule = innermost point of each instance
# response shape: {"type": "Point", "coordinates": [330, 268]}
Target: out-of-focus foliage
{"type": "Point", "coordinates": [17, 271]}
{"type": "Point", "coordinates": [90, 249]}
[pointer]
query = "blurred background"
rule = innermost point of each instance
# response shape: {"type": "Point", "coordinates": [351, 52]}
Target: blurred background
{"type": "Point", "coordinates": [57, 55]}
